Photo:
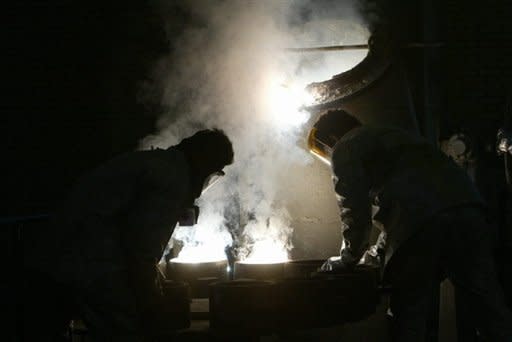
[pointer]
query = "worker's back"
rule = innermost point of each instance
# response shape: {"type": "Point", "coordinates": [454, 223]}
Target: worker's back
{"type": "Point", "coordinates": [410, 180]}
{"type": "Point", "coordinates": [125, 208]}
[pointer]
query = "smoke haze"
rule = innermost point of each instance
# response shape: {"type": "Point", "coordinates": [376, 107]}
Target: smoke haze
{"type": "Point", "coordinates": [228, 70]}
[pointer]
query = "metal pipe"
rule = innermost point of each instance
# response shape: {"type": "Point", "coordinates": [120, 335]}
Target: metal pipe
{"type": "Point", "coordinates": [360, 47]}
{"type": "Point", "coordinates": [330, 48]}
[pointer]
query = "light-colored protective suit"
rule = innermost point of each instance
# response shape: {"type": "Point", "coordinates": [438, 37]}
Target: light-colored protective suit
{"type": "Point", "coordinates": [405, 177]}
{"type": "Point", "coordinates": [434, 223]}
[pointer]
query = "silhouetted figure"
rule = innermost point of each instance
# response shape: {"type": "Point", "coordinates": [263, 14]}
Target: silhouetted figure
{"type": "Point", "coordinates": [103, 252]}
{"type": "Point", "coordinates": [432, 218]}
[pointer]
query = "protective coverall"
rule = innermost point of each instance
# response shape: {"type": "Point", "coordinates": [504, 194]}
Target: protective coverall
{"type": "Point", "coordinates": [433, 221]}
{"type": "Point", "coordinates": [109, 237]}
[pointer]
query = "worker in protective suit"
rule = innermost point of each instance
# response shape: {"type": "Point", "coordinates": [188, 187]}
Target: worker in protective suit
{"type": "Point", "coordinates": [432, 218]}
{"type": "Point", "coordinates": [115, 226]}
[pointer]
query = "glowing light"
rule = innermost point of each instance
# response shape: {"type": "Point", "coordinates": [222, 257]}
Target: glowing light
{"type": "Point", "coordinates": [204, 242]}
{"type": "Point", "coordinates": [195, 256]}
{"type": "Point", "coordinates": [283, 102]}
{"type": "Point", "coordinates": [267, 252]}
{"type": "Point", "coordinates": [322, 158]}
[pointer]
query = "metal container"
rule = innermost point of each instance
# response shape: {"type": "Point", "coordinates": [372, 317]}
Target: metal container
{"type": "Point", "coordinates": [302, 269]}
{"type": "Point", "coordinates": [243, 307]}
{"type": "Point", "coordinates": [243, 270]}
{"type": "Point", "coordinates": [326, 299]}
{"type": "Point", "coordinates": [198, 275]}
{"type": "Point", "coordinates": [359, 286]}
{"type": "Point", "coordinates": [176, 300]}
{"type": "Point", "coordinates": [308, 303]}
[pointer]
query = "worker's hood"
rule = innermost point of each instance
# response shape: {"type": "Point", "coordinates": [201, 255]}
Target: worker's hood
{"type": "Point", "coordinates": [190, 213]}
{"type": "Point", "coordinates": [211, 180]}
{"type": "Point", "coordinates": [320, 149]}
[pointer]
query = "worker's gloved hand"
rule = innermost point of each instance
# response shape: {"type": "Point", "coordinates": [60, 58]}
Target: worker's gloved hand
{"type": "Point", "coordinates": [334, 264]}
{"type": "Point", "coordinates": [372, 257]}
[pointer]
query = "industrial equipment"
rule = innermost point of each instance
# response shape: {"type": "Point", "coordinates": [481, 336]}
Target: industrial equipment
{"type": "Point", "coordinates": [258, 271]}
{"type": "Point", "coordinates": [199, 275]}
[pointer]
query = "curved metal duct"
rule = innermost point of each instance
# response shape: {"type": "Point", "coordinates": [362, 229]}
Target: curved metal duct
{"type": "Point", "coordinates": [356, 79]}
{"type": "Point", "coordinates": [375, 91]}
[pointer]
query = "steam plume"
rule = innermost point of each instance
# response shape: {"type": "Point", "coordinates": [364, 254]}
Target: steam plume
{"type": "Point", "coordinates": [228, 70]}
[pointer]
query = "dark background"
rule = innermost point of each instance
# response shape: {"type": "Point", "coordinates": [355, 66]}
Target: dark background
{"type": "Point", "coordinates": [75, 69]}
{"type": "Point", "coordinates": [73, 74]}
{"type": "Point", "coordinates": [71, 96]}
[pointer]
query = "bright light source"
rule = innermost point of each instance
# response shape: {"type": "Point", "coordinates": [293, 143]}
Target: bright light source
{"type": "Point", "coordinates": [283, 102]}
{"type": "Point", "coordinates": [195, 258]}
{"type": "Point", "coordinates": [204, 242]}
{"type": "Point", "coordinates": [267, 252]}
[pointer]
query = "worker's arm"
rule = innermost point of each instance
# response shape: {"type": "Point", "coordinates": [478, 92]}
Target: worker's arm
{"type": "Point", "coordinates": [142, 254]}
{"type": "Point", "coordinates": [161, 195]}
{"type": "Point", "coordinates": [352, 189]}
{"type": "Point", "coordinates": [152, 219]}
{"type": "Point", "coordinates": [373, 256]}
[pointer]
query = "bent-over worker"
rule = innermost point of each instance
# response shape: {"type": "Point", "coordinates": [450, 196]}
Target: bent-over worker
{"type": "Point", "coordinates": [432, 218]}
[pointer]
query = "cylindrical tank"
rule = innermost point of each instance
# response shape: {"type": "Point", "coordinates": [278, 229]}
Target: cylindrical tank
{"type": "Point", "coordinates": [176, 300]}
{"type": "Point", "coordinates": [243, 307]}
{"type": "Point", "coordinates": [246, 270]}
{"type": "Point", "coordinates": [358, 286]}
{"type": "Point", "coordinates": [198, 275]}
{"type": "Point", "coordinates": [326, 299]}
{"type": "Point", "coordinates": [301, 269]}
{"type": "Point", "coordinates": [308, 303]}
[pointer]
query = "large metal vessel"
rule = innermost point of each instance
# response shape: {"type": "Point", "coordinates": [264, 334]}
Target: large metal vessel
{"type": "Point", "coordinates": [301, 269]}
{"type": "Point", "coordinates": [176, 300]}
{"type": "Point", "coordinates": [243, 307]}
{"type": "Point", "coordinates": [257, 271]}
{"type": "Point", "coordinates": [198, 275]}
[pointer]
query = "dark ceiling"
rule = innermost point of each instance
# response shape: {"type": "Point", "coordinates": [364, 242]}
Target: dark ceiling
{"type": "Point", "coordinates": [74, 70]}
{"type": "Point", "coordinates": [71, 100]}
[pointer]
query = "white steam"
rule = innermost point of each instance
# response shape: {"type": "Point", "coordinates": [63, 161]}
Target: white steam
{"type": "Point", "coordinates": [206, 240]}
{"type": "Point", "coordinates": [228, 70]}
